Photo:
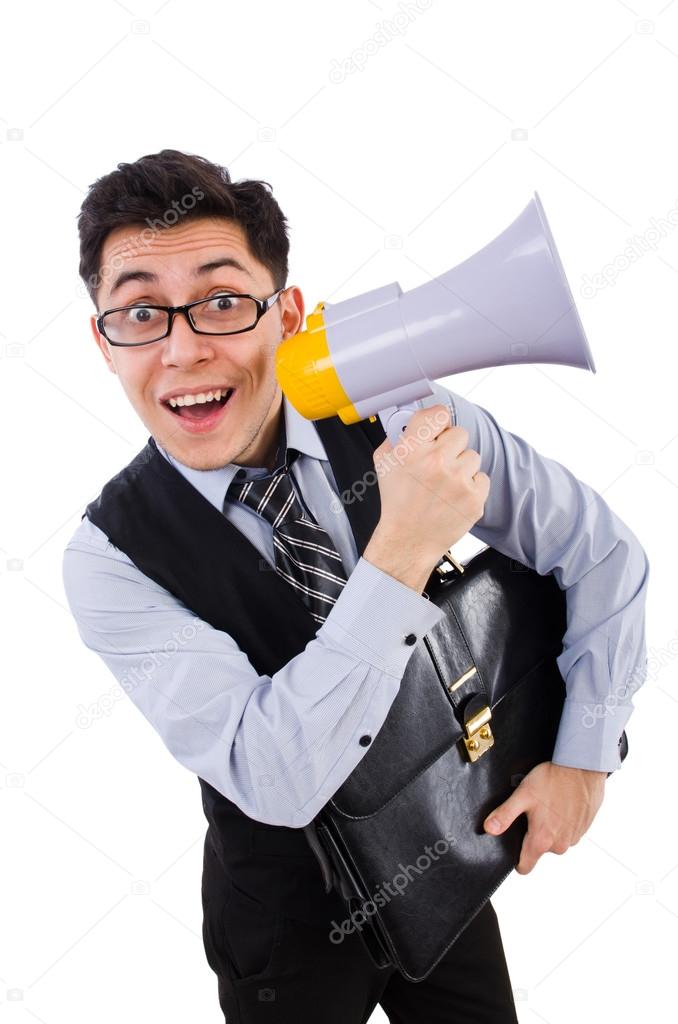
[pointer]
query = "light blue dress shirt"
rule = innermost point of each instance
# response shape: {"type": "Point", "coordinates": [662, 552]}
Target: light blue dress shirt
{"type": "Point", "coordinates": [280, 746]}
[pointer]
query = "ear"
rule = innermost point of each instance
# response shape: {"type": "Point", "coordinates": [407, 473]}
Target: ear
{"type": "Point", "coordinates": [292, 306]}
{"type": "Point", "coordinates": [102, 343]}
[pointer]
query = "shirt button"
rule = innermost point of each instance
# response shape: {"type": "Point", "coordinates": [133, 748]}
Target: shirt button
{"type": "Point", "coordinates": [410, 639]}
{"type": "Point", "coordinates": [365, 741]}
{"type": "Point", "coordinates": [240, 474]}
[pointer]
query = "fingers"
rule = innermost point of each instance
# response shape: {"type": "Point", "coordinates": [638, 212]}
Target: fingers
{"type": "Point", "coordinates": [428, 424]}
{"type": "Point", "coordinates": [437, 419]}
{"type": "Point", "coordinates": [482, 482]}
{"type": "Point", "coordinates": [536, 843]}
{"type": "Point", "coordinates": [429, 427]}
{"type": "Point", "coordinates": [470, 459]}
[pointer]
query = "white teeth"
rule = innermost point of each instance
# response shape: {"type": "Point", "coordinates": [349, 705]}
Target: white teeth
{"type": "Point", "coordinates": [199, 399]}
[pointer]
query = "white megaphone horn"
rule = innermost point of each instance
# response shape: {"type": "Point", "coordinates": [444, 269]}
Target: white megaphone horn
{"type": "Point", "coordinates": [377, 353]}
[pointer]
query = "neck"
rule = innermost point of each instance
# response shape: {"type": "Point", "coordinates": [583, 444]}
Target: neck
{"type": "Point", "coordinates": [263, 454]}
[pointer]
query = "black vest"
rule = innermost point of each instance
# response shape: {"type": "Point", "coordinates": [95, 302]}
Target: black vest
{"type": "Point", "coordinates": [181, 541]}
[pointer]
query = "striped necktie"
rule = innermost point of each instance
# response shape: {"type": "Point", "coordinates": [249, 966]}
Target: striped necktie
{"type": "Point", "coordinates": [304, 554]}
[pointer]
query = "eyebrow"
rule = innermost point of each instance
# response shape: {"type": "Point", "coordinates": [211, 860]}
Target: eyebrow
{"type": "Point", "coordinates": [201, 271]}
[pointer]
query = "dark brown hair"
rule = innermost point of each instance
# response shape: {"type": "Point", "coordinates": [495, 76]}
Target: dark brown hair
{"type": "Point", "coordinates": [163, 188]}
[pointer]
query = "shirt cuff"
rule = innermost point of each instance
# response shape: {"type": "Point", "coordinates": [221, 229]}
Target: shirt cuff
{"type": "Point", "coordinates": [588, 735]}
{"type": "Point", "coordinates": [380, 619]}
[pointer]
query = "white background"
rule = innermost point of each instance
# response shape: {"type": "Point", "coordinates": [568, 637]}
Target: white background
{"type": "Point", "coordinates": [397, 171]}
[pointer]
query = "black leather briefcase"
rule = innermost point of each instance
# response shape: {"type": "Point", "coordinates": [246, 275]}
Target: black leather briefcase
{"type": "Point", "coordinates": [479, 704]}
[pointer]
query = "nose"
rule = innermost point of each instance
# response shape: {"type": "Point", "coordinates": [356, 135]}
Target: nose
{"type": "Point", "coordinates": [183, 347]}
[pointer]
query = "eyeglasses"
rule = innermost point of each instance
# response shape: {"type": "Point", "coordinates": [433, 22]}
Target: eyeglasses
{"type": "Point", "coordinates": [221, 313]}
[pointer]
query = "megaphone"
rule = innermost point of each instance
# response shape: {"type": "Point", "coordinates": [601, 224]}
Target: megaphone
{"type": "Point", "coordinates": [377, 353]}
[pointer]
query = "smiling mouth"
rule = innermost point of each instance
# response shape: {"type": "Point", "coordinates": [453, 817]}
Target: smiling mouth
{"type": "Point", "coordinates": [199, 410]}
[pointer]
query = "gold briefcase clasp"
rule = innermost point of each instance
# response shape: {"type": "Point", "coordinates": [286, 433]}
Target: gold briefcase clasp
{"type": "Point", "coordinates": [478, 738]}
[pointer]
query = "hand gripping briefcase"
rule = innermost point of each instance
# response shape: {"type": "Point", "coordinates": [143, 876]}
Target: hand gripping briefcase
{"type": "Point", "coordinates": [402, 839]}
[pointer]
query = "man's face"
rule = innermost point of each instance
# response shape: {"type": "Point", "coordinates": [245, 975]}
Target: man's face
{"type": "Point", "coordinates": [245, 428]}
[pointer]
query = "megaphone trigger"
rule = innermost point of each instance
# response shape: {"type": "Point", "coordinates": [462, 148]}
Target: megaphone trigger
{"type": "Point", "coordinates": [395, 420]}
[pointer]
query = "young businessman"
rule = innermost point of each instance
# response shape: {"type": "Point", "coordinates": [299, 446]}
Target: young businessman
{"type": "Point", "coordinates": [266, 642]}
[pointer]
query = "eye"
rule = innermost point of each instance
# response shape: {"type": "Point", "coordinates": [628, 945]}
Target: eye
{"type": "Point", "coordinates": [222, 303]}
{"type": "Point", "coordinates": [142, 314]}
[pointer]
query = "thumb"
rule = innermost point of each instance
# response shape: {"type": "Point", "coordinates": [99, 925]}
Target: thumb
{"type": "Point", "coordinates": [498, 820]}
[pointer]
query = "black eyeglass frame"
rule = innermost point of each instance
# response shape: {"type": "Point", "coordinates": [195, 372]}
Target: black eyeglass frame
{"type": "Point", "coordinates": [263, 305]}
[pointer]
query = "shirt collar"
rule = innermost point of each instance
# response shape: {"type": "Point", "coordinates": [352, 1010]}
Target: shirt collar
{"type": "Point", "coordinates": [213, 483]}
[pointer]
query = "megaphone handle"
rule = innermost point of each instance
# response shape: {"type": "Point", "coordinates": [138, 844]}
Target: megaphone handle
{"type": "Point", "coordinates": [395, 418]}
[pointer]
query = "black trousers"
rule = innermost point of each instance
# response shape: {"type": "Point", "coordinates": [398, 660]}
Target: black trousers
{"type": "Point", "coordinates": [281, 970]}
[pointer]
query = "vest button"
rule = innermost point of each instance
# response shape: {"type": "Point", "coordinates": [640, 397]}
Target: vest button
{"type": "Point", "coordinates": [365, 741]}
{"type": "Point", "coordinates": [410, 639]}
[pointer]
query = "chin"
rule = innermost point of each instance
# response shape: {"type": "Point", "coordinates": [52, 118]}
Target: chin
{"type": "Point", "coordinates": [205, 455]}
